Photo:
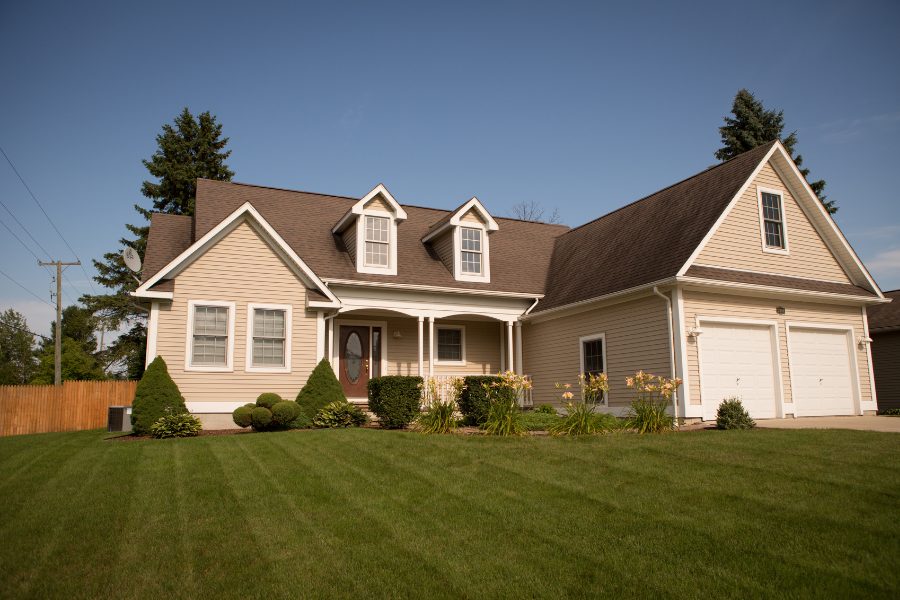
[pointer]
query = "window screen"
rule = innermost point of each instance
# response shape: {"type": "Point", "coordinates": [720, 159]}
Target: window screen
{"type": "Point", "coordinates": [210, 347]}
{"type": "Point", "coordinates": [268, 338]}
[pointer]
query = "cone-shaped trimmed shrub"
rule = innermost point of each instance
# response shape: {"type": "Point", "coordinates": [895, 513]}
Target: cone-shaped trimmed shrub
{"type": "Point", "coordinates": [155, 393]}
{"type": "Point", "coordinates": [321, 388]}
{"type": "Point", "coordinates": [268, 400]}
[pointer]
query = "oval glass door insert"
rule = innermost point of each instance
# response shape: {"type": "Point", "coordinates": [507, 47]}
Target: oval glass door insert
{"type": "Point", "coordinates": [353, 357]}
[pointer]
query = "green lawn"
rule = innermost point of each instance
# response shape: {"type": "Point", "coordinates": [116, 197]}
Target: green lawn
{"type": "Point", "coordinates": [364, 513]}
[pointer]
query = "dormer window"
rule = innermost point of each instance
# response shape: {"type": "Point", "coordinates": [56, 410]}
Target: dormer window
{"type": "Point", "coordinates": [772, 223]}
{"type": "Point", "coordinates": [471, 258]}
{"type": "Point", "coordinates": [369, 232]}
{"type": "Point", "coordinates": [461, 241]}
{"type": "Point", "coordinates": [378, 241]}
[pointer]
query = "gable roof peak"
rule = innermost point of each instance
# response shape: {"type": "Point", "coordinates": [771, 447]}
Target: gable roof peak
{"type": "Point", "coordinates": [359, 208]}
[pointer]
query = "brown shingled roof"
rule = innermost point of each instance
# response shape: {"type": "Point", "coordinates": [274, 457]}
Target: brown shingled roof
{"type": "Point", "coordinates": [781, 281]}
{"type": "Point", "coordinates": [170, 235]}
{"type": "Point", "coordinates": [885, 316]}
{"type": "Point", "coordinates": [520, 250]}
{"type": "Point", "coordinates": [648, 240]}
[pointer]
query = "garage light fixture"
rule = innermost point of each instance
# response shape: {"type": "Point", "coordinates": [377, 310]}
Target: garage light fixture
{"type": "Point", "coordinates": [780, 310]}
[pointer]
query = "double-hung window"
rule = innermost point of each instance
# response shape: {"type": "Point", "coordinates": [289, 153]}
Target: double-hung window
{"type": "Point", "coordinates": [210, 336]}
{"type": "Point", "coordinates": [450, 345]}
{"type": "Point", "coordinates": [378, 241]}
{"type": "Point", "coordinates": [268, 338]}
{"type": "Point", "coordinates": [592, 355]}
{"type": "Point", "coordinates": [773, 220]}
{"type": "Point", "coordinates": [471, 249]}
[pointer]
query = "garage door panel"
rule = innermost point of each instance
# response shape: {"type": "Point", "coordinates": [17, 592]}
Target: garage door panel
{"type": "Point", "coordinates": [737, 360]}
{"type": "Point", "coordinates": [821, 372]}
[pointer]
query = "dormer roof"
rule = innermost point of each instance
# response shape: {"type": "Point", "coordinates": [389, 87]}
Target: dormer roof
{"type": "Point", "coordinates": [360, 207]}
{"type": "Point", "coordinates": [454, 218]}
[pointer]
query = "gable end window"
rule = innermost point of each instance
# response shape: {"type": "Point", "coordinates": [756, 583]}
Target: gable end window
{"type": "Point", "coordinates": [773, 220]}
{"type": "Point", "coordinates": [268, 338]}
{"type": "Point", "coordinates": [450, 342]}
{"type": "Point", "coordinates": [472, 254]}
{"type": "Point", "coordinates": [210, 336]}
{"type": "Point", "coordinates": [378, 241]}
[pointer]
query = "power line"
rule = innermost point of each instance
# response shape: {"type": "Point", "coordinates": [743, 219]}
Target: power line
{"type": "Point", "coordinates": [26, 289]}
{"type": "Point", "coordinates": [11, 326]}
{"type": "Point", "coordinates": [30, 251]}
{"type": "Point", "coordinates": [49, 220]}
{"type": "Point", "coordinates": [25, 229]}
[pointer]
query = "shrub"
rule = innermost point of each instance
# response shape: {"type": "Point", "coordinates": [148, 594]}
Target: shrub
{"type": "Point", "coordinates": [301, 421]}
{"type": "Point", "coordinates": [241, 415]}
{"type": "Point", "coordinates": [581, 419]}
{"type": "Point", "coordinates": [340, 414]}
{"type": "Point", "coordinates": [732, 415]}
{"type": "Point", "coordinates": [268, 400]}
{"type": "Point", "coordinates": [155, 393]}
{"type": "Point", "coordinates": [261, 418]}
{"type": "Point", "coordinates": [473, 399]}
{"type": "Point", "coordinates": [648, 412]}
{"type": "Point", "coordinates": [890, 412]}
{"type": "Point", "coordinates": [321, 388]}
{"type": "Point", "coordinates": [546, 409]}
{"type": "Point", "coordinates": [395, 399]}
{"type": "Point", "coordinates": [284, 413]}
{"type": "Point", "coordinates": [176, 425]}
{"type": "Point", "coordinates": [539, 421]}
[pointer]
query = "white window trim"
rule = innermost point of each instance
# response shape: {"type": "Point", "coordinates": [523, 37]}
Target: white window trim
{"type": "Point", "coordinates": [462, 341]}
{"type": "Point", "coordinates": [762, 225]}
{"type": "Point", "coordinates": [288, 334]}
{"type": "Point", "coordinates": [591, 338]}
{"type": "Point", "coordinates": [189, 341]}
{"type": "Point", "coordinates": [485, 275]}
{"type": "Point", "coordinates": [361, 266]}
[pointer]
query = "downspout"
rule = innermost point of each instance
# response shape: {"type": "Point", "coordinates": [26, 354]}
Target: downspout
{"type": "Point", "coordinates": [531, 308]}
{"type": "Point", "coordinates": [671, 343]}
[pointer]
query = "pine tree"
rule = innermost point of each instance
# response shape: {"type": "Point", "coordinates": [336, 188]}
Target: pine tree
{"type": "Point", "coordinates": [186, 149]}
{"type": "Point", "coordinates": [753, 125]}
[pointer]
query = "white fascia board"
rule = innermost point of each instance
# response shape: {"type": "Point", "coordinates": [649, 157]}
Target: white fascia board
{"type": "Point", "coordinates": [814, 208]}
{"type": "Point", "coordinates": [430, 288]}
{"type": "Point", "coordinates": [152, 295]}
{"type": "Point", "coordinates": [591, 303]}
{"type": "Point", "coordinates": [227, 225]}
{"type": "Point", "coordinates": [357, 209]}
{"type": "Point", "coordinates": [770, 291]}
{"type": "Point", "coordinates": [731, 204]}
{"type": "Point", "coordinates": [456, 219]}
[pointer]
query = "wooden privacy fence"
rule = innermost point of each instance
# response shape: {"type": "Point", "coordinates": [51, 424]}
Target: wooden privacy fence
{"type": "Point", "coordinates": [72, 406]}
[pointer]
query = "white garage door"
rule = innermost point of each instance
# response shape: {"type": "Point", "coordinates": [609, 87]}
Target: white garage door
{"type": "Point", "coordinates": [821, 376]}
{"type": "Point", "coordinates": [737, 360]}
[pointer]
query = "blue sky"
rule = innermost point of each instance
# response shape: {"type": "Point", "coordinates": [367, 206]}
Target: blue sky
{"type": "Point", "coordinates": [574, 105]}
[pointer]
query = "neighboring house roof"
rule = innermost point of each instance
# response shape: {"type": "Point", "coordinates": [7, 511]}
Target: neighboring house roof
{"type": "Point", "coordinates": [520, 250]}
{"type": "Point", "coordinates": [648, 240]}
{"type": "Point", "coordinates": [884, 317]}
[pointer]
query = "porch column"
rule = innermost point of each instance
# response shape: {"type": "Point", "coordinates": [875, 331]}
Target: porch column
{"type": "Point", "coordinates": [331, 345]}
{"type": "Point", "coordinates": [509, 345]}
{"type": "Point", "coordinates": [431, 346]}
{"type": "Point", "coordinates": [421, 365]}
{"type": "Point", "coordinates": [502, 350]}
{"type": "Point", "coordinates": [518, 347]}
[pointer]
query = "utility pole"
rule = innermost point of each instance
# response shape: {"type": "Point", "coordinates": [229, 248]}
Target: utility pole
{"type": "Point", "coordinates": [57, 374]}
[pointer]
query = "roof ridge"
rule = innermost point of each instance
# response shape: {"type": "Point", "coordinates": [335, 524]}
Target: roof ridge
{"type": "Point", "coordinates": [659, 191]}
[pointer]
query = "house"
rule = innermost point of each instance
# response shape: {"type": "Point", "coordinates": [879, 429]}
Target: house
{"type": "Point", "coordinates": [736, 280]}
{"type": "Point", "coordinates": [884, 327]}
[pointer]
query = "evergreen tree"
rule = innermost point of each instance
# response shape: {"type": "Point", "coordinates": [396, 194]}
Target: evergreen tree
{"type": "Point", "coordinates": [753, 125]}
{"type": "Point", "coordinates": [17, 361]}
{"type": "Point", "coordinates": [155, 393]}
{"type": "Point", "coordinates": [77, 365]}
{"type": "Point", "coordinates": [187, 149]}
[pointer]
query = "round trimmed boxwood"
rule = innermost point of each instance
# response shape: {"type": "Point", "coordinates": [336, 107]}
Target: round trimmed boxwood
{"type": "Point", "coordinates": [268, 400]}
{"type": "Point", "coordinates": [242, 415]}
{"type": "Point", "coordinates": [284, 412]}
{"type": "Point", "coordinates": [261, 418]}
{"type": "Point", "coordinates": [395, 399]}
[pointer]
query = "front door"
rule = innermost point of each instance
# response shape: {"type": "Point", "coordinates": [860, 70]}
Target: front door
{"type": "Point", "coordinates": [354, 361]}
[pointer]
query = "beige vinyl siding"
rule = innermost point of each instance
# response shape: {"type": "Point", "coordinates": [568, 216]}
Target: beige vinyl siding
{"type": "Point", "coordinates": [443, 246]}
{"type": "Point", "coordinates": [240, 268]}
{"type": "Point", "coordinates": [636, 338]}
{"type": "Point", "coordinates": [720, 305]}
{"type": "Point", "coordinates": [378, 203]}
{"type": "Point", "coordinates": [349, 237]}
{"type": "Point", "coordinates": [737, 244]}
{"type": "Point", "coordinates": [886, 364]}
{"type": "Point", "coordinates": [472, 216]}
{"type": "Point", "coordinates": [482, 346]}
